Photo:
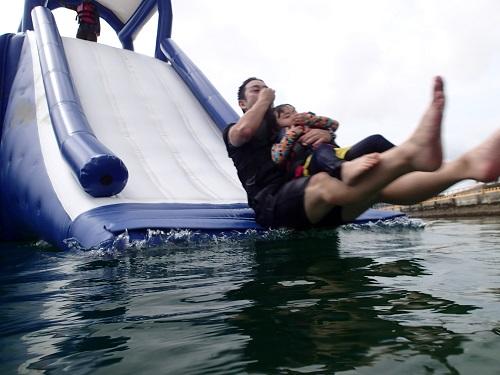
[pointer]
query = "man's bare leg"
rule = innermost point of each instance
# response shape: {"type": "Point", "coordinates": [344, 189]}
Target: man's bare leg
{"type": "Point", "coordinates": [426, 139]}
{"type": "Point", "coordinates": [421, 152]}
{"type": "Point", "coordinates": [353, 169]}
{"type": "Point", "coordinates": [481, 163]}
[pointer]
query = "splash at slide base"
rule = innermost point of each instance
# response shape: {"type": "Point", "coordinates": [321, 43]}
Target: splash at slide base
{"type": "Point", "coordinates": [98, 141]}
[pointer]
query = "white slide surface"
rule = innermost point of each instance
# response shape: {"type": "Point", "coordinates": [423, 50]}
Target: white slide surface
{"type": "Point", "coordinates": [140, 109]}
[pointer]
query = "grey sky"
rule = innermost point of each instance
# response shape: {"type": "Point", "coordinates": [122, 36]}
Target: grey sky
{"type": "Point", "coordinates": [368, 64]}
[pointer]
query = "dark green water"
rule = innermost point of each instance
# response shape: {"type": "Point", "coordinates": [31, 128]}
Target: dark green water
{"type": "Point", "coordinates": [381, 300]}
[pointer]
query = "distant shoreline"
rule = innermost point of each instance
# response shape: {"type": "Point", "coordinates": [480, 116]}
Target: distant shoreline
{"type": "Point", "coordinates": [483, 210]}
{"type": "Point", "coordinates": [479, 201]}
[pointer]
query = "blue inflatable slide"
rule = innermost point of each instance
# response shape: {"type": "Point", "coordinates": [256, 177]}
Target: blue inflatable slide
{"type": "Point", "coordinates": [97, 141]}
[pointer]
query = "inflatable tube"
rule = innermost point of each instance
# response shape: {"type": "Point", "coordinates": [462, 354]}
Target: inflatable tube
{"type": "Point", "coordinates": [99, 171]}
{"type": "Point", "coordinates": [106, 223]}
{"type": "Point", "coordinates": [208, 96]}
{"type": "Point", "coordinates": [143, 12]}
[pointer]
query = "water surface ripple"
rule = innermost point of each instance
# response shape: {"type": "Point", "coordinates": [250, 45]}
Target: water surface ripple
{"type": "Point", "coordinates": [357, 300]}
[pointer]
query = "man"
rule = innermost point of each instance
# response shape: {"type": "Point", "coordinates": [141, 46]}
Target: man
{"type": "Point", "coordinates": [405, 174]}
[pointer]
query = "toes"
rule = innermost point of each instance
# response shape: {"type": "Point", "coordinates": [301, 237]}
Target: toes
{"type": "Point", "coordinates": [438, 84]}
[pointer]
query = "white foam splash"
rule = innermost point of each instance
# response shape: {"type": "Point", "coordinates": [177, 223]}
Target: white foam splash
{"type": "Point", "coordinates": [156, 238]}
{"type": "Point", "coordinates": [397, 223]}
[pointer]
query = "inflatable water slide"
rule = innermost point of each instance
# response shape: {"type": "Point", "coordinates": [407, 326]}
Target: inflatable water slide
{"type": "Point", "coordinates": [97, 141]}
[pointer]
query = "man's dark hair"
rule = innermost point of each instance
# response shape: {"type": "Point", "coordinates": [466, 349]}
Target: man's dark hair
{"type": "Point", "coordinates": [241, 89]}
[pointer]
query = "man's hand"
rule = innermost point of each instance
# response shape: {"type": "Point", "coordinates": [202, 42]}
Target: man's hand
{"type": "Point", "coordinates": [266, 95]}
{"type": "Point", "coordinates": [315, 137]}
{"type": "Point", "coordinates": [258, 102]}
{"type": "Point", "coordinates": [297, 129]}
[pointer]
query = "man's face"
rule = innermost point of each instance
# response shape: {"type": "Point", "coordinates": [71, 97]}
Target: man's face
{"type": "Point", "coordinates": [252, 90]}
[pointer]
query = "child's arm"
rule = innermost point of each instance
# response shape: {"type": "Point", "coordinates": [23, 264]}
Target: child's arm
{"type": "Point", "coordinates": [310, 120]}
{"type": "Point", "coordinates": [281, 151]}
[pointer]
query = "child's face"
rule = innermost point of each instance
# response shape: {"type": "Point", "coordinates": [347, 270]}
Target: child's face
{"type": "Point", "coordinates": [284, 119]}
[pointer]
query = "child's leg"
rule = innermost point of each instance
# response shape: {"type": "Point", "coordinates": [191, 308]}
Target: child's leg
{"type": "Point", "coordinates": [324, 160]}
{"type": "Point", "coordinates": [373, 143]}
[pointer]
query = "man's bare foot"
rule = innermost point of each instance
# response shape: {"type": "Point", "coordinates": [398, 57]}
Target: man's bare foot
{"type": "Point", "coordinates": [353, 169]}
{"type": "Point", "coordinates": [482, 163]}
{"type": "Point", "coordinates": [424, 146]}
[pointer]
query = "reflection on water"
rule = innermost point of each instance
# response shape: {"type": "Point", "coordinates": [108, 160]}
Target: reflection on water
{"type": "Point", "coordinates": [383, 300]}
{"type": "Point", "coordinates": [315, 310]}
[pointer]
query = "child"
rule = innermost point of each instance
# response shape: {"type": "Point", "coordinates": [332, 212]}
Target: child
{"type": "Point", "coordinates": [88, 19]}
{"type": "Point", "coordinates": [302, 160]}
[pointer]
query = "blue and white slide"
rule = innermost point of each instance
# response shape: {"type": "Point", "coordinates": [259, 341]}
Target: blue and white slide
{"type": "Point", "coordinates": [96, 141]}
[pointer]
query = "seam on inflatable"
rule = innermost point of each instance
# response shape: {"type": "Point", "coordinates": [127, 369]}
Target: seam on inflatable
{"type": "Point", "coordinates": [209, 155]}
{"type": "Point", "coordinates": [131, 70]}
{"type": "Point", "coordinates": [186, 122]}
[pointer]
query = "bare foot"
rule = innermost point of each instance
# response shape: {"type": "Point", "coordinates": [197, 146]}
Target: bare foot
{"type": "Point", "coordinates": [424, 146]}
{"type": "Point", "coordinates": [482, 163]}
{"type": "Point", "coordinates": [353, 169]}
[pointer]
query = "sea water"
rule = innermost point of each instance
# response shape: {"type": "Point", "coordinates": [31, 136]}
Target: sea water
{"type": "Point", "coordinates": [414, 298]}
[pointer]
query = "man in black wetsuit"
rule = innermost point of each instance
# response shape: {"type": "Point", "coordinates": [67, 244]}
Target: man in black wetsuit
{"type": "Point", "coordinates": [260, 176]}
{"type": "Point", "coordinates": [406, 174]}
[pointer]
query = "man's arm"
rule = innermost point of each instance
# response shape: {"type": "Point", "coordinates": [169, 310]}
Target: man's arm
{"type": "Point", "coordinates": [319, 129]}
{"type": "Point", "coordinates": [248, 124]}
{"type": "Point", "coordinates": [315, 137]}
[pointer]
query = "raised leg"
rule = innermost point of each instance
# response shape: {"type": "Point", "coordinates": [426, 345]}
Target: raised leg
{"type": "Point", "coordinates": [481, 163]}
{"type": "Point", "coordinates": [421, 152]}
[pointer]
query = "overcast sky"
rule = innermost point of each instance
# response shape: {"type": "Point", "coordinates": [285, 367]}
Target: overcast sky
{"type": "Point", "coordinates": [368, 64]}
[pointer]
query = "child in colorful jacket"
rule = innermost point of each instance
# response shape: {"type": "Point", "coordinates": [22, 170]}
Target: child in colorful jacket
{"type": "Point", "coordinates": [301, 160]}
